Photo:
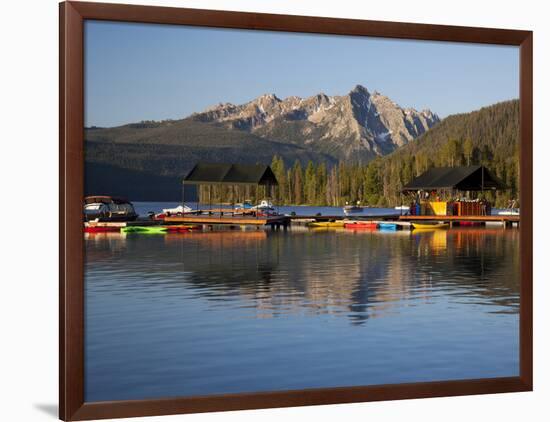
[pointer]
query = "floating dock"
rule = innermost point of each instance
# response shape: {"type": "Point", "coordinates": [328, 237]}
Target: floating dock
{"type": "Point", "coordinates": [122, 223]}
{"type": "Point", "coordinates": [274, 222]}
{"type": "Point", "coordinates": [284, 221]}
{"type": "Point", "coordinates": [388, 217]}
{"type": "Point", "coordinates": [506, 220]}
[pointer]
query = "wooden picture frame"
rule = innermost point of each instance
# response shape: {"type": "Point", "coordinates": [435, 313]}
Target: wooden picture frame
{"type": "Point", "coordinates": [71, 167]}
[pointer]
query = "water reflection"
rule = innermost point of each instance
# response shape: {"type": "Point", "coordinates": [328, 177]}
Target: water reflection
{"type": "Point", "coordinates": [357, 274]}
{"type": "Point", "coordinates": [255, 283]}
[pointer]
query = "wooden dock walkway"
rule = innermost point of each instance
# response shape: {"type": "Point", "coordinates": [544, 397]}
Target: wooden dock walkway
{"type": "Point", "coordinates": [506, 220]}
{"type": "Point", "coordinates": [388, 217]}
{"type": "Point", "coordinates": [232, 220]}
{"type": "Point", "coordinates": [122, 223]}
{"type": "Point", "coordinates": [284, 221]}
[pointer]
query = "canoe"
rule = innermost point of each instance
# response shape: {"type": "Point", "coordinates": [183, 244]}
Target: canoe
{"type": "Point", "coordinates": [144, 229]}
{"type": "Point", "coordinates": [361, 225]}
{"type": "Point", "coordinates": [430, 226]}
{"type": "Point", "coordinates": [387, 226]}
{"type": "Point", "coordinates": [100, 229]}
{"type": "Point", "coordinates": [326, 224]}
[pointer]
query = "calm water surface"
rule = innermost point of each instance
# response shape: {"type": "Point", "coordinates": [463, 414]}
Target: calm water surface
{"type": "Point", "coordinates": [236, 311]}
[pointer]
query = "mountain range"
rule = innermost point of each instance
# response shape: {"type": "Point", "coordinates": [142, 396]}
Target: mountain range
{"type": "Point", "coordinates": [357, 126]}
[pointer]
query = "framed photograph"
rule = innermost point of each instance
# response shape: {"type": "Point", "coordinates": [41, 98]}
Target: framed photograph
{"type": "Point", "coordinates": [267, 210]}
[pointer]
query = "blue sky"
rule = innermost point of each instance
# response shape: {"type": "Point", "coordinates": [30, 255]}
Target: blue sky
{"type": "Point", "coordinates": [139, 72]}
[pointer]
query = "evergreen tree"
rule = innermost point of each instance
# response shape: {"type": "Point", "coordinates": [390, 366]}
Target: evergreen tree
{"type": "Point", "coordinates": [321, 176]}
{"type": "Point", "coordinates": [468, 148]}
{"type": "Point", "coordinates": [297, 175]}
{"type": "Point", "coordinates": [310, 184]}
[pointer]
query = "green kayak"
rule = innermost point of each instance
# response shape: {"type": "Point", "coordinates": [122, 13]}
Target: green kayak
{"type": "Point", "coordinates": [144, 229]}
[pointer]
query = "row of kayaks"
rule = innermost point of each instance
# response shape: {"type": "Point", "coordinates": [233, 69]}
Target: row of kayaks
{"type": "Point", "coordinates": [353, 225]}
{"type": "Point", "coordinates": [182, 228]}
{"type": "Point", "coordinates": [373, 225]}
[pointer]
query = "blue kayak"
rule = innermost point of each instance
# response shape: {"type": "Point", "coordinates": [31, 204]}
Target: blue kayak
{"type": "Point", "coordinates": [387, 226]}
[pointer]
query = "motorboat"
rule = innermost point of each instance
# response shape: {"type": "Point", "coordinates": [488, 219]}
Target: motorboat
{"type": "Point", "coordinates": [179, 210]}
{"type": "Point", "coordinates": [246, 205]}
{"type": "Point", "coordinates": [264, 205]}
{"type": "Point", "coordinates": [108, 208]}
{"type": "Point", "coordinates": [511, 211]}
{"type": "Point", "coordinates": [167, 212]}
{"type": "Point", "coordinates": [264, 208]}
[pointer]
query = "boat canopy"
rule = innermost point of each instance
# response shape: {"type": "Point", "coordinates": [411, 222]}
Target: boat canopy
{"type": "Point", "coordinates": [231, 174]}
{"type": "Point", "coordinates": [104, 199]}
{"type": "Point", "coordinates": [467, 178]}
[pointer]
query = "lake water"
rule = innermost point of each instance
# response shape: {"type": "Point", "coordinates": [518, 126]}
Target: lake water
{"type": "Point", "coordinates": [244, 311]}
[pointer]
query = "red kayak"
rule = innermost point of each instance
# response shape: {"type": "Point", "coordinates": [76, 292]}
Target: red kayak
{"type": "Point", "coordinates": [100, 229]}
{"type": "Point", "coordinates": [361, 225]}
{"type": "Point", "coordinates": [181, 228]}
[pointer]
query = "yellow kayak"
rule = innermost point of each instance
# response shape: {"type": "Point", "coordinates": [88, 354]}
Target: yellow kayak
{"type": "Point", "coordinates": [430, 226]}
{"type": "Point", "coordinates": [326, 224]}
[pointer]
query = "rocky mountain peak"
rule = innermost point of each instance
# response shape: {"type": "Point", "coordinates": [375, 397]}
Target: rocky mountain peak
{"type": "Point", "coordinates": [270, 99]}
{"type": "Point", "coordinates": [360, 89]}
{"type": "Point", "coordinates": [354, 126]}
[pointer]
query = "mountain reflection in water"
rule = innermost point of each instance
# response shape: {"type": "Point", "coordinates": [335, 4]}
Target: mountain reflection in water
{"type": "Point", "coordinates": [234, 311]}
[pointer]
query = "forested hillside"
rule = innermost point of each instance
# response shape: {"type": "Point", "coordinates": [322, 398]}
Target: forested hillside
{"type": "Point", "coordinates": [489, 136]}
{"type": "Point", "coordinates": [155, 156]}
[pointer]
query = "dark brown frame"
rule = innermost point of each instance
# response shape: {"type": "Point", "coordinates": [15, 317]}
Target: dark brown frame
{"type": "Point", "coordinates": [71, 169]}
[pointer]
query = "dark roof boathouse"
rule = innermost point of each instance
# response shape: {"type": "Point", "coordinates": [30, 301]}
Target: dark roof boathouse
{"type": "Point", "coordinates": [471, 178]}
{"type": "Point", "coordinates": [231, 174]}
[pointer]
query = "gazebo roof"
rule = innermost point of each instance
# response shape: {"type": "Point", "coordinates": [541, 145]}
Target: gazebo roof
{"type": "Point", "coordinates": [231, 174]}
{"type": "Point", "coordinates": [461, 178]}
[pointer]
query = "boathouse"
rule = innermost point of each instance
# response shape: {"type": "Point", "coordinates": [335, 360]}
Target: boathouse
{"type": "Point", "coordinates": [229, 176]}
{"type": "Point", "coordinates": [452, 183]}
